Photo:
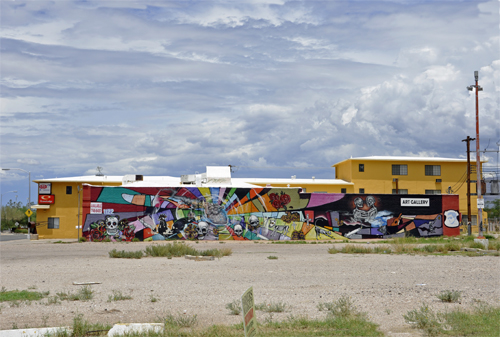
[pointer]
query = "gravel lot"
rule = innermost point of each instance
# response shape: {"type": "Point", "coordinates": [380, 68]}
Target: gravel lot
{"type": "Point", "coordinates": [384, 286]}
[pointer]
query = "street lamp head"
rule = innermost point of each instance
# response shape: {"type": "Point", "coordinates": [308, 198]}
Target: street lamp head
{"type": "Point", "coordinates": [470, 87]}
{"type": "Point", "coordinates": [476, 75]}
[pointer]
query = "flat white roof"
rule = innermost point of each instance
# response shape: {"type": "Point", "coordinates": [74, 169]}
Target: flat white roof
{"type": "Point", "coordinates": [403, 158]}
{"type": "Point", "coordinates": [86, 179]}
{"type": "Point", "coordinates": [296, 181]}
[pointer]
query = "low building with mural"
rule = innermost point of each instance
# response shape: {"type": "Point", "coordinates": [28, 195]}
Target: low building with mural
{"type": "Point", "coordinates": [63, 212]}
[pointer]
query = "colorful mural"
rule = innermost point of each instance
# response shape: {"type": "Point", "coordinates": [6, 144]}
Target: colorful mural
{"type": "Point", "coordinates": [220, 213]}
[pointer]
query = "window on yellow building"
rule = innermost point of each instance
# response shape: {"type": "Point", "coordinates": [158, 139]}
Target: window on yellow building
{"type": "Point", "coordinates": [432, 170]}
{"type": "Point", "coordinates": [361, 190]}
{"type": "Point", "coordinates": [432, 191]}
{"type": "Point", "coordinates": [69, 189]}
{"type": "Point", "coordinates": [400, 191]}
{"type": "Point", "coordinates": [53, 223]}
{"type": "Point", "coordinates": [343, 190]}
{"type": "Point", "coordinates": [399, 170]}
{"type": "Point", "coordinates": [361, 167]}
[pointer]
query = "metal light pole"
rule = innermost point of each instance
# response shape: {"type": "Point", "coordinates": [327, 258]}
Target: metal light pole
{"type": "Point", "coordinates": [1, 204]}
{"type": "Point", "coordinates": [478, 159]}
{"type": "Point", "coordinates": [29, 192]}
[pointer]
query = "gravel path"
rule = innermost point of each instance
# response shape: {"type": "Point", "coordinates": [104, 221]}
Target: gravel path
{"type": "Point", "coordinates": [384, 286]}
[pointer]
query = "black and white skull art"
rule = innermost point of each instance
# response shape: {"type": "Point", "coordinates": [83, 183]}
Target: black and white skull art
{"type": "Point", "coordinates": [202, 230]}
{"type": "Point", "coordinates": [253, 222]}
{"type": "Point", "coordinates": [112, 224]}
{"type": "Point", "coordinates": [238, 230]}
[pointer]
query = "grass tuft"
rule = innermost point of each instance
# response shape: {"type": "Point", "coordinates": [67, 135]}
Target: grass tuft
{"type": "Point", "coordinates": [118, 296]}
{"type": "Point", "coordinates": [234, 307]}
{"type": "Point", "coordinates": [450, 296]}
{"type": "Point", "coordinates": [85, 293]}
{"type": "Point", "coordinates": [126, 255]}
{"type": "Point", "coordinates": [482, 320]}
{"type": "Point", "coordinates": [180, 320]}
{"type": "Point", "coordinates": [21, 295]}
{"type": "Point", "coordinates": [272, 307]}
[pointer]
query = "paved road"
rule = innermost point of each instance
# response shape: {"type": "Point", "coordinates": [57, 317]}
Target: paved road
{"type": "Point", "coordinates": [12, 237]}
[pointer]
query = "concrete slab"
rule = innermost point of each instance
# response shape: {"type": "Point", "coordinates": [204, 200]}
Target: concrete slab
{"type": "Point", "coordinates": [39, 332]}
{"type": "Point", "coordinates": [121, 329]}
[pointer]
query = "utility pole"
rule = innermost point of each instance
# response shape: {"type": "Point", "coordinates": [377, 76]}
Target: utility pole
{"type": "Point", "coordinates": [478, 159]}
{"type": "Point", "coordinates": [468, 140]}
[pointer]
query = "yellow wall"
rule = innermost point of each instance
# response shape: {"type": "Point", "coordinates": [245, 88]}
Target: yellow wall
{"type": "Point", "coordinates": [65, 208]}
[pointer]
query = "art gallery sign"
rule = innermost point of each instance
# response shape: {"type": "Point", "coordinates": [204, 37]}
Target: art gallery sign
{"type": "Point", "coordinates": [415, 202]}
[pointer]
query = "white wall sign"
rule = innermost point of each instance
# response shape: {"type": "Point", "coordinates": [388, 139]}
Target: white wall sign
{"type": "Point", "coordinates": [480, 203]}
{"type": "Point", "coordinates": [44, 188]}
{"type": "Point", "coordinates": [415, 202]}
{"type": "Point", "coordinates": [96, 208]}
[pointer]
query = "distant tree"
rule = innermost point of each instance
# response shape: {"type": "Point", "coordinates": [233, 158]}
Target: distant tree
{"type": "Point", "coordinates": [15, 212]}
{"type": "Point", "coordinates": [493, 209]}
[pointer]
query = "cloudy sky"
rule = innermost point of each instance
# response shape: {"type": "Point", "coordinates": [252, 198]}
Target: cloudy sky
{"type": "Point", "coordinates": [275, 88]}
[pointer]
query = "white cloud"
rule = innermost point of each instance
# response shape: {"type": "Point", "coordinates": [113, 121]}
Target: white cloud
{"type": "Point", "coordinates": [170, 87]}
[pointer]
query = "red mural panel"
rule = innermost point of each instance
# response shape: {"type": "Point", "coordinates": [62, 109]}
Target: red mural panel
{"type": "Point", "coordinates": [451, 215]}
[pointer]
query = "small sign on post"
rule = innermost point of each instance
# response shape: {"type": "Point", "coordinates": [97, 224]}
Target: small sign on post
{"type": "Point", "coordinates": [248, 306]}
{"type": "Point", "coordinates": [480, 203]}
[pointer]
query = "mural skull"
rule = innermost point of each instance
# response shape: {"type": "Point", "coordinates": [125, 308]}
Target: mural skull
{"type": "Point", "coordinates": [202, 230]}
{"type": "Point", "coordinates": [253, 221]}
{"type": "Point", "coordinates": [112, 225]}
{"type": "Point", "coordinates": [238, 230]}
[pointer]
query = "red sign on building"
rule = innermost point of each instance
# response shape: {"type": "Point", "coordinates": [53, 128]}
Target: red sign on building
{"type": "Point", "coordinates": [46, 199]}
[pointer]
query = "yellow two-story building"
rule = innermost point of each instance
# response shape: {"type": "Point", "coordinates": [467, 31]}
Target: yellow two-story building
{"type": "Point", "coordinates": [411, 175]}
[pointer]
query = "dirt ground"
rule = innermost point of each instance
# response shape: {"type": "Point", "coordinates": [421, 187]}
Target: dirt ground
{"type": "Point", "coordinates": [304, 275]}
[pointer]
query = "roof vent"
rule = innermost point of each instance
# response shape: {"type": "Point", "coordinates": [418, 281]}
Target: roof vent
{"type": "Point", "coordinates": [130, 178]}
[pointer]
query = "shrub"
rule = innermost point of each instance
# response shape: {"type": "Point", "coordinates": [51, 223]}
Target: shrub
{"type": "Point", "coordinates": [453, 246]}
{"type": "Point", "coordinates": [176, 249]}
{"type": "Point", "coordinates": [382, 250]}
{"type": "Point", "coordinates": [356, 249]}
{"type": "Point", "coordinates": [474, 244]}
{"type": "Point", "coordinates": [343, 307]}
{"type": "Point", "coordinates": [180, 320]}
{"type": "Point", "coordinates": [425, 319]}
{"type": "Point", "coordinates": [494, 245]}
{"type": "Point", "coordinates": [82, 239]}
{"type": "Point", "coordinates": [430, 248]}
{"type": "Point", "coordinates": [126, 255]}
{"type": "Point", "coordinates": [272, 257]}
{"type": "Point", "coordinates": [234, 307]}
{"type": "Point", "coordinates": [84, 294]}
{"type": "Point", "coordinates": [449, 296]}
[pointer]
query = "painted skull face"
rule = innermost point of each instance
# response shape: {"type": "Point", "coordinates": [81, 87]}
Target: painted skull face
{"type": "Point", "coordinates": [253, 221]}
{"type": "Point", "coordinates": [358, 202]}
{"type": "Point", "coordinates": [112, 225]}
{"type": "Point", "coordinates": [238, 230]}
{"type": "Point", "coordinates": [202, 230]}
{"type": "Point", "coordinates": [370, 201]}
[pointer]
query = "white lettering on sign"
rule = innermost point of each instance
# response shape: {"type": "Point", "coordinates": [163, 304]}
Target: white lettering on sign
{"type": "Point", "coordinates": [96, 208]}
{"type": "Point", "coordinates": [415, 202]}
{"type": "Point", "coordinates": [109, 211]}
